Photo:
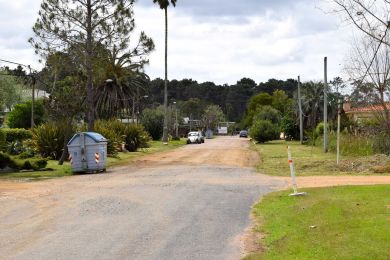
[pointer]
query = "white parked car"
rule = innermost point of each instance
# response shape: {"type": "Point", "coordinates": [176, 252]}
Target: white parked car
{"type": "Point", "coordinates": [195, 138]}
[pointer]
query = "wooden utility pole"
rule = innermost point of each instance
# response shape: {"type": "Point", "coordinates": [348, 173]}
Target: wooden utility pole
{"type": "Point", "coordinates": [300, 111]}
{"type": "Point", "coordinates": [32, 97]}
{"type": "Point", "coordinates": [325, 106]}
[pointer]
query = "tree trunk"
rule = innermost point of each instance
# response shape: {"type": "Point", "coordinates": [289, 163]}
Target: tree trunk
{"type": "Point", "coordinates": [67, 133]}
{"type": "Point", "coordinates": [165, 129]}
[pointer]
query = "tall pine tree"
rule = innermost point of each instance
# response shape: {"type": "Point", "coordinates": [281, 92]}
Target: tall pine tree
{"type": "Point", "coordinates": [85, 26]}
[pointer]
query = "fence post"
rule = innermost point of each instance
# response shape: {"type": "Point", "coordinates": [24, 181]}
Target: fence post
{"type": "Point", "coordinates": [292, 172]}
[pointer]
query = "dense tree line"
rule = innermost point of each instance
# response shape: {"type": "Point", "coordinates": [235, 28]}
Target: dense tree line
{"type": "Point", "coordinates": [233, 99]}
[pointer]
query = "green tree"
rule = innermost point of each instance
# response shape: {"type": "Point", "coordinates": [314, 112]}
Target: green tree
{"type": "Point", "coordinates": [152, 120]}
{"type": "Point", "coordinates": [268, 113]}
{"type": "Point", "coordinates": [164, 5]}
{"type": "Point", "coordinates": [193, 108]}
{"type": "Point", "coordinates": [312, 94]}
{"type": "Point", "coordinates": [20, 116]}
{"type": "Point", "coordinates": [263, 131]}
{"type": "Point", "coordinates": [10, 90]}
{"type": "Point", "coordinates": [261, 99]}
{"type": "Point", "coordinates": [266, 124]}
{"type": "Point", "coordinates": [281, 101]}
{"type": "Point", "coordinates": [212, 116]}
{"type": "Point", "coordinates": [84, 26]}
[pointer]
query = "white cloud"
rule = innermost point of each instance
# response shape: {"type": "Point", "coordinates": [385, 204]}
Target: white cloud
{"type": "Point", "coordinates": [277, 44]}
{"type": "Point", "coordinates": [215, 40]}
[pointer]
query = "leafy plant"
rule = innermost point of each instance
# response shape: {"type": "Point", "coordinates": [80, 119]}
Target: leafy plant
{"type": "Point", "coordinates": [265, 125]}
{"type": "Point", "coordinates": [2, 140]}
{"type": "Point", "coordinates": [20, 116]}
{"type": "Point", "coordinates": [6, 161]}
{"type": "Point", "coordinates": [17, 134]}
{"type": "Point", "coordinates": [114, 138]}
{"type": "Point", "coordinates": [152, 120]}
{"type": "Point", "coordinates": [48, 140]}
{"type": "Point", "coordinates": [264, 130]}
{"type": "Point", "coordinates": [33, 164]}
{"type": "Point", "coordinates": [135, 137]}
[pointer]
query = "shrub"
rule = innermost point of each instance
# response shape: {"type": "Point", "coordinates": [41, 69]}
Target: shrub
{"type": "Point", "coordinates": [267, 113]}
{"type": "Point", "coordinates": [26, 165]}
{"type": "Point", "coordinates": [28, 153]}
{"type": "Point", "coordinates": [6, 161]}
{"type": "Point", "coordinates": [48, 140]}
{"type": "Point", "coordinates": [152, 120]}
{"type": "Point", "coordinates": [311, 136]}
{"type": "Point", "coordinates": [114, 138]}
{"type": "Point", "coordinates": [290, 128]}
{"type": "Point", "coordinates": [135, 137]}
{"type": "Point", "coordinates": [381, 143]}
{"type": "Point", "coordinates": [320, 129]}
{"type": "Point", "coordinates": [2, 140]}
{"type": "Point", "coordinates": [264, 130]}
{"type": "Point", "coordinates": [17, 134]}
{"type": "Point", "coordinates": [15, 147]}
{"type": "Point", "coordinates": [30, 164]}
{"type": "Point", "coordinates": [20, 116]}
{"type": "Point", "coordinates": [39, 163]}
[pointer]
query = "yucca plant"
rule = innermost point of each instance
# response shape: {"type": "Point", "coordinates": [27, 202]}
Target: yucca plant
{"type": "Point", "coordinates": [136, 137]}
{"type": "Point", "coordinates": [48, 140]}
{"type": "Point", "coordinates": [114, 138]}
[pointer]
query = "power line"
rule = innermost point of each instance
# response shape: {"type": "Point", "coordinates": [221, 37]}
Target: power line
{"type": "Point", "coordinates": [20, 64]}
{"type": "Point", "coordinates": [375, 54]}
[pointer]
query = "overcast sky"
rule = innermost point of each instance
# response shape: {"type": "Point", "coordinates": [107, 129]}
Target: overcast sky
{"type": "Point", "coordinates": [216, 40]}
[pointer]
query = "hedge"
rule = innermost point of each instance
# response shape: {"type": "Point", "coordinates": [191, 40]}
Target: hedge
{"type": "Point", "coordinates": [16, 134]}
{"type": "Point", "coordinates": [30, 164]}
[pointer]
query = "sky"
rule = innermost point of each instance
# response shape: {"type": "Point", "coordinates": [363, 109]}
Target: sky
{"type": "Point", "coordinates": [216, 40]}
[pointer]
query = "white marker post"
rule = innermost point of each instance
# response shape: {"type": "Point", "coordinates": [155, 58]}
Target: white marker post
{"type": "Point", "coordinates": [292, 171]}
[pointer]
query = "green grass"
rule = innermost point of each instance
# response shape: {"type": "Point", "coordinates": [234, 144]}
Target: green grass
{"type": "Point", "coordinates": [309, 161]}
{"type": "Point", "coordinates": [348, 222]}
{"type": "Point", "coordinates": [65, 170]}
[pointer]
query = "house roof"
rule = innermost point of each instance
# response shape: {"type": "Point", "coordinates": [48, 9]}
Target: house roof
{"type": "Point", "coordinates": [371, 108]}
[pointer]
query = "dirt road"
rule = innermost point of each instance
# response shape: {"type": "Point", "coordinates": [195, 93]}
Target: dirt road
{"type": "Point", "coordinates": [191, 203]}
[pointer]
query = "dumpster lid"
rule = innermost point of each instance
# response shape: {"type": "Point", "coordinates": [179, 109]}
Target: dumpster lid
{"type": "Point", "coordinates": [93, 135]}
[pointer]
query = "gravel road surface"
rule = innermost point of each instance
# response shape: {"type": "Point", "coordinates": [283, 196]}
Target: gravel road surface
{"type": "Point", "coordinates": [191, 203]}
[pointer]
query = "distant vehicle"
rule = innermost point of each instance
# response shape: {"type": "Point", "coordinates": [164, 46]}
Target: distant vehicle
{"type": "Point", "coordinates": [195, 138]}
{"type": "Point", "coordinates": [243, 133]}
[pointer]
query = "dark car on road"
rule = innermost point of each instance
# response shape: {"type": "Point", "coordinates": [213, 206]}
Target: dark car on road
{"type": "Point", "coordinates": [243, 133]}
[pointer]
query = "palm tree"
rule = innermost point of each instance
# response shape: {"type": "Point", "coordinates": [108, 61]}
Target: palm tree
{"type": "Point", "coordinates": [312, 95]}
{"type": "Point", "coordinates": [164, 5]}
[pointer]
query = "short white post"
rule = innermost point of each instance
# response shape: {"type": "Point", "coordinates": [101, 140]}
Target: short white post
{"type": "Point", "coordinates": [292, 172]}
{"type": "Point", "coordinates": [338, 133]}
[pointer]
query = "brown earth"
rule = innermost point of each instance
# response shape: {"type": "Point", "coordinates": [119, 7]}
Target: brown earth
{"type": "Point", "coordinates": [35, 213]}
{"type": "Point", "coordinates": [224, 152]}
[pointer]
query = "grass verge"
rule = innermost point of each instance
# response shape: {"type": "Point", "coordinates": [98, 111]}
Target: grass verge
{"type": "Point", "coordinates": [346, 222]}
{"type": "Point", "coordinates": [65, 170]}
{"type": "Point", "coordinates": [309, 161]}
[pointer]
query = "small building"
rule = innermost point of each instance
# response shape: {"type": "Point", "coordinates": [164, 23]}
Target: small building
{"type": "Point", "coordinates": [359, 114]}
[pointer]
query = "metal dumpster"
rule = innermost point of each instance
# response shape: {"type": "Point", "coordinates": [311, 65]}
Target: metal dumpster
{"type": "Point", "coordinates": [88, 152]}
